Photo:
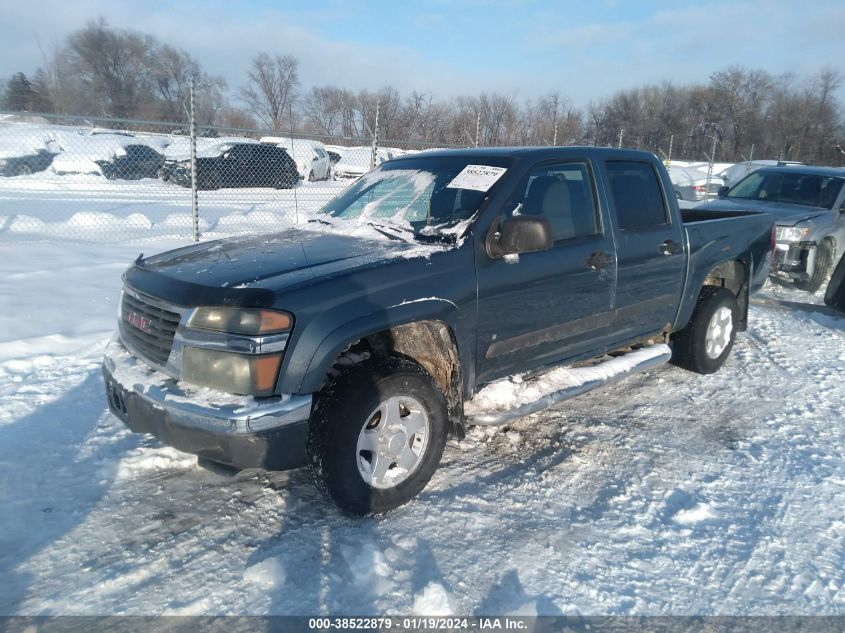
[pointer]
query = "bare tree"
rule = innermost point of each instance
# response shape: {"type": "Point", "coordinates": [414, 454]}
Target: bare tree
{"type": "Point", "coordinates": [114, 65]}
{"type": "Point", "coordinates": [273, 82]}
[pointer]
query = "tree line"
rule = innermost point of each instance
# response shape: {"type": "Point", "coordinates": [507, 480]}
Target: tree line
{"type": "Point", "coordinates": [105, 71]}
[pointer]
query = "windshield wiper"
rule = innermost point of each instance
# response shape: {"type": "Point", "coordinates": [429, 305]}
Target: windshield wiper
{"type": "Point", "coordinates": [321, 221]}
{"type": "Point", "coordinates": [401, 233]}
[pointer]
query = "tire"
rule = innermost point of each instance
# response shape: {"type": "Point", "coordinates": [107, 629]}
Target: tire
{"type": "Point", "coordinates": [22, 170]}
{"type": "Point", "coordinates": [212, 181]}
{"type": "Point", "coordinates": [351, 415]}
{"type": "Point", "coordinates": [311, 176]}
{"type": "Point", "coordinates": [678, 195]}
{"type": "Point", "coordinates": [285, 182]}
{"type": "Point", "coordinates": [824, 263]}
{"type": "Point", "coordinates": [705, 343]}
{"type": "Point", "coordinates": [834, 296]}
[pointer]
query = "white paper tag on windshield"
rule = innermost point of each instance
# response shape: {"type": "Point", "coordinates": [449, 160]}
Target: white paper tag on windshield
{"type": "Point", "coordinates": [477, 177]}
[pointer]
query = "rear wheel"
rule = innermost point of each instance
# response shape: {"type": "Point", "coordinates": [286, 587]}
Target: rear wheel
{"type": "Point", "coordinates": [822, 268]}
{"type": "Point", "coordinates": [705, 343]}
{"type": "Point", "coordinates": [285, 182]}
{"type": "Point", "coordinates": [22, 170]}
{"type": "Point", "coordinates": [212, 180]}
{"type": "Point", "coordinates": [377, 434]}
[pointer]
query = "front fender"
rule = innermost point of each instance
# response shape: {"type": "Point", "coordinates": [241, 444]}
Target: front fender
{"type": "Point", "coordinates": [429, 309]}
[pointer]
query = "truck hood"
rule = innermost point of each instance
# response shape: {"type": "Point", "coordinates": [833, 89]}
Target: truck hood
{"type": "Point", "coordinates": [251, 270]}
{"type": "Point", "coordinates": [785, 214]}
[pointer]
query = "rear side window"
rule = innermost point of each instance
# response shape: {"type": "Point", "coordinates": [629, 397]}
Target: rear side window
{"type": "Point", "coordinates": [637, 197]}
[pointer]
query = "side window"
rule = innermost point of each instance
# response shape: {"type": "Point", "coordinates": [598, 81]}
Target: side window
{"type": "Point", "coordinates": [241, 152]}
{"type": "Point", "coordinates": [636, 195]}
{"type": "Point", "coordinates": [563, 194]}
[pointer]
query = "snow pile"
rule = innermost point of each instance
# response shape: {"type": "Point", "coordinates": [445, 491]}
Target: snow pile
{"type": "Point", "coordinates": [515, 391]}
{"type": "Point", "coordinates": [434, 601]}
{"type": "Point", "coordinates": [269, 573]}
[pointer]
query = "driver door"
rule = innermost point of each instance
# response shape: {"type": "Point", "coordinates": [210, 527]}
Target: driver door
{"type": "Point", "coordinates": [555, 304]}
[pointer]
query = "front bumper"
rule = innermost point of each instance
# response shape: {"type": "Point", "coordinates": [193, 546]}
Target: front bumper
{"type": "Point", "coordinates": [794, 260]}
{"type": "Point", "coordinates": [238, 431]}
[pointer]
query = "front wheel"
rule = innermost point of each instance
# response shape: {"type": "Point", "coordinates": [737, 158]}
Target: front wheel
{"type": "Point", "coordinates": [377, 434]}
{"type": "Point", "coordinates": [821, 269]}
{"type": "Point", "coordinates": [704, 344]}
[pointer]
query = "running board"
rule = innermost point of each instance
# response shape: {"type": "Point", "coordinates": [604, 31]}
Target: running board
{"type": "Point", "coordinates": [578, 380]}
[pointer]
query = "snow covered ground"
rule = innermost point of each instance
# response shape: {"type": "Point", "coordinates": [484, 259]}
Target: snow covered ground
{"type": "Point", "coordinates": [669, 493]}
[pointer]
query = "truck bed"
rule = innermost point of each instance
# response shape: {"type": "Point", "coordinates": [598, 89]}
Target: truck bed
{"type": "Point", "coordinates": [690, 216]}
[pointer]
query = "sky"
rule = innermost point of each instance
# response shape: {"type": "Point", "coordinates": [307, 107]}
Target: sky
{"type": "Point", "coordinates": [525, 49]}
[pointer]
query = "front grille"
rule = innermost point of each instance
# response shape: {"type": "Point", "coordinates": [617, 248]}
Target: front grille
{"type": "Point", "coordinates": [154, 338]}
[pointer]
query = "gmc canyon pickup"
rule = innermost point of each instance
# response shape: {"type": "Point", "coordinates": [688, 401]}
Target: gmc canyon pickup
{"type": "Point", "coordinates": [355, 343]}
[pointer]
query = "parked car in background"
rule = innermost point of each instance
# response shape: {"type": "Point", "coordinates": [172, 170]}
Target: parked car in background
{"type": "Point", "coordinates": [312, 161]}
{"type": "Point", "coordinates": [238, 165]}
{"type": "Point", "coordinates": [82, 154]}
{"type": "Point", "coordinates": [738, 171]}
{"type": "Point", "coordinates": [25, 165]}
{"type": "Point", "coordinates": [132, 162]}
{"type": "Point", "coordinates": [691, 184]}
{"type": "Point", "coordinates": [26, 149]}
{"type": "Point", "coordinates": [334, 157]}
{"type": "Point", "coordinates": [718, 168]}
{"type": "Point", "coordinates": [808, 204]}
{"type": "Point", "coordinates": [356, 161]}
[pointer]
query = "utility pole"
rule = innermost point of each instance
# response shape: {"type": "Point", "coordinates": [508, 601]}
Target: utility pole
{"type": "Point", "coordinates": [375, 140]}
{"type": "Point", "coordinates": [193, 131]}
{"type": "Point", "coordinates": [621, 136]}
{"type": "Point", "coordinates": [477, 127]}
{"type": "Point", "coordinates": [717, 138]}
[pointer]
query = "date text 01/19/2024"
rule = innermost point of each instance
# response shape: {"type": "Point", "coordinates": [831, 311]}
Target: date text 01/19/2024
{"type": "Point", "coordinates": [418, 623]}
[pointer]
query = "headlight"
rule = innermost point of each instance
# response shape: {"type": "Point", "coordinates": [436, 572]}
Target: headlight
{"type": "Point", "coordinates": [253, 322]}
{"type": "Point", "coordinates": [243, 374]}
{"type": "Point", "coordinates": [238, 350]}
{"type": "Point", "coordinates": [791, 233]}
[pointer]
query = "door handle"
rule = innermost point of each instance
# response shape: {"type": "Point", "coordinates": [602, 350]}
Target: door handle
{"type": "Point", "coordinates": [598, 260]}
{"type": "Point", "coordinates": [669, 247]}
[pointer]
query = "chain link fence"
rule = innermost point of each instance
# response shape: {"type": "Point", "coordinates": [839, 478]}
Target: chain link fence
{"type": "Point", "coordinates": [90, 179]}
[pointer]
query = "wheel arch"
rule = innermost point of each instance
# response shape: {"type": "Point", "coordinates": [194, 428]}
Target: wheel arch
{"type": "Point", "coordinates": [422, 331]}
{"type": "Point", "coordinates": [732, 274]}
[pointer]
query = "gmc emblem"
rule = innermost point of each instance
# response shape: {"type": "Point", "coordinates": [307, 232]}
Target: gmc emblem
{"type": "Point", "coordinates": [139, 321]}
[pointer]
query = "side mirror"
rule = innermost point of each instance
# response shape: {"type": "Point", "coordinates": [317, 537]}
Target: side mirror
{"type": "Point", "coordinates": [525, 234]}
{"type": "Point", "coordinates": [723, 191]}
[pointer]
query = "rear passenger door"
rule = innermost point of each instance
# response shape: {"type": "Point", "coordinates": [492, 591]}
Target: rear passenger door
{"type": "Point", "coordinates": [649, 251]}
{"type": "Point", "coordinates": [555, 304]}
{"type": "Point", "coordinates": [241, 166]}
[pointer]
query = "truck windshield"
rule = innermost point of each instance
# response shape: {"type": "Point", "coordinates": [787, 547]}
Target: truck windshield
{"type": "Point", "coordinates": [421, 194]}
{"type": "Point", "coordinates": [812, 190]}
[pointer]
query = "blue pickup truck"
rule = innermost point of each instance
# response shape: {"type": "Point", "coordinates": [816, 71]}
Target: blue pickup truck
{"type": "Point", "coordinates": [356, 342]}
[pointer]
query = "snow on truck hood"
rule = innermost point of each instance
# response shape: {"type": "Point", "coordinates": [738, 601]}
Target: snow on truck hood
{"type": "Point", "coordinates": [278, 260]}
